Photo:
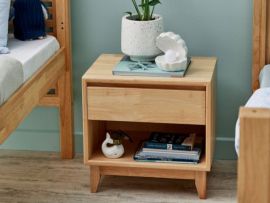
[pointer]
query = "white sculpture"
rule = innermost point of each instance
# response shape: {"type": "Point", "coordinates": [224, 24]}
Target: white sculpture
{"type": "Point", "coordinates": [114, 151]}
{"type": "Point", "coordinates": [175, 49]}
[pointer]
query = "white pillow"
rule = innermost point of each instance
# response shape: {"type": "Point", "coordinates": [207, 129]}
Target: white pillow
{"type": "Point", "coordinates": [4, 15]}
{"type": "Point", "coordinates": [265, 77]}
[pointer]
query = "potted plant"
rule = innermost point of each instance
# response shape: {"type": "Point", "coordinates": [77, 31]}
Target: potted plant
{"type": "Point", "coordinates": [140, 30]}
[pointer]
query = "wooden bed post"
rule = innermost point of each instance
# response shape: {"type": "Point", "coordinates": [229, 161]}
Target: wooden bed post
{"type": "Point", "coordinates": [261, 39]}
{"type": "Point", "coordinates": [254, 159]}
{"type": "Point", "coordinates": [34, 92]}
{"type": "Point", "coordinates": [63, 30]}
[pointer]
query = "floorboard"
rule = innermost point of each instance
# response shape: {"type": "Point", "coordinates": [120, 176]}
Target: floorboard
{"type": "Point", "coordinates": [30, 177]}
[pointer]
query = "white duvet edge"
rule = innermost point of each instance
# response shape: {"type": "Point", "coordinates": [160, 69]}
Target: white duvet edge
{"type": "Point", "coordinates": [11, 77]}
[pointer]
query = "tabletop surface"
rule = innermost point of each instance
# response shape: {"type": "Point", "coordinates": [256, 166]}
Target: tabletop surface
{"type": "Point", "coordinates": [200, 72]}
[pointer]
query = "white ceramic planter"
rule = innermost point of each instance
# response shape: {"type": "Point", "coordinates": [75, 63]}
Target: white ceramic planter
{"type": "Point", "coordinates": [139, 38]}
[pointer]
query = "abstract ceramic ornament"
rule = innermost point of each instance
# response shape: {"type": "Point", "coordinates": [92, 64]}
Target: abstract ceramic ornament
{"type": "Point", "coordinates": [175, 49]}
{"type": "Point", "coordinates": [112, 146]}
{"type": "Point", "coordinates": [114, 151]}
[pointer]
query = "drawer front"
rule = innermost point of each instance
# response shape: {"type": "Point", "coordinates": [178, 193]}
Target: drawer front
{"type": "Point", "coordinates": [146, 105]}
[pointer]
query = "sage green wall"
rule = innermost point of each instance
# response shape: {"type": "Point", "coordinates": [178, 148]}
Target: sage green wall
{"type": "Point", "coordinates": [219, 28]}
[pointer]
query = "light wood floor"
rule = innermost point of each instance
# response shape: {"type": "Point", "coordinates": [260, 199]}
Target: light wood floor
{"type": "Point", "coordinates": [43, 177]}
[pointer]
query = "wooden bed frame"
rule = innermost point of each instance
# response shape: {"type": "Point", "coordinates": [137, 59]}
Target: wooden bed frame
{"type": "Point", "coordinates": [254, 157]}
{"type": "Point", "coordinates": [55, 76]}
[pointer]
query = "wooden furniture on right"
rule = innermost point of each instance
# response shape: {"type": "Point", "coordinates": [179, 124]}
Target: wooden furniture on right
{"type": "Point", "coordinates": [254, 157]}
{"type": "Point", "coordinates": [254, 160]}
{"type": "Point", "coordinates": [261, 38]}
{"type": "Point", "coordinates": [141, 105]}
{"type": "Point", "coordinates": [56, 75]}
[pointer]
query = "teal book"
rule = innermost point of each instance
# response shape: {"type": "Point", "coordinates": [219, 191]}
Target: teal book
{"type": "Point", "coordinates": [130, 68]}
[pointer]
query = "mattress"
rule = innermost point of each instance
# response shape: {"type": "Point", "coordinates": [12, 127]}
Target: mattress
{"type": "Point", "coordinates": [11, 77]}
{"type": "Point", "coordinates": [32, 54]}
{"type": "Point", "coordinates": [24, 59]}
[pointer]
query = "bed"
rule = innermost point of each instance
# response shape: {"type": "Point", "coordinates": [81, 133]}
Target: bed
{"type": "Point", "coordinates": [41, 76]}
{"type": "Point", "coordinates": [254, 150]}
{"type": "Point", "coordinates": [25, 59]}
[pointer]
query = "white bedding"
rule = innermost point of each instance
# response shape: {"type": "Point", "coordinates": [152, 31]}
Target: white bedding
{"type": "Point", "coordinates": [32, 54]}
{"type": "Point", "coordinates": [260, 99]}
{"type": "Point", "coordinates": [265, 77]}
{"type": "Point", "coordinates": [11, 77]}
{"type": "Point", "coordinates": [25, 58]}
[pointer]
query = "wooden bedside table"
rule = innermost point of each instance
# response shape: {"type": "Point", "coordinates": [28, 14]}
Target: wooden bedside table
{"type": "Point", "coordinates": [140, 105]}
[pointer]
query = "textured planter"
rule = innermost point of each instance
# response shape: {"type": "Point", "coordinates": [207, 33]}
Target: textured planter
{"type": "Point", "coordinates": [139, 38]}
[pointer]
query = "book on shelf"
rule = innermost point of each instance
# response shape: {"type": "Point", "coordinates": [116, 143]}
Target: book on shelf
{"type": "Point", "coordinates": [126, 67]}
{"type": "Point", "coordinates": [189, 156]}
{"type": "Point", "coordinates": [170, 155]}
{"type": "Point", "coordinates": [162, 152]}
{"type": "Point", "coordinates": [164, 155]}
{"type": "Point", "coordinates": [166, 160]}
{"type": "Point", "coordinates": [170, 141]}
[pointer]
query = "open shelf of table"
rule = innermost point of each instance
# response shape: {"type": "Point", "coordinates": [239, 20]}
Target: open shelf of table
{"type": "Point", "coordinates": [98, 159]}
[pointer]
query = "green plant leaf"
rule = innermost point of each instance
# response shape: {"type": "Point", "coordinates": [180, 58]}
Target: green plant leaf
{"type": "Point", "coordinates": [137, 9]}
{"type": "Point", "coordinates": [154, 2]}
{"type": "Point", "coordinates": [129, 13]}
{"type": "Point", "coordinates": [146, 9]}
{"type": "Point", "coordinates": [151, 3]}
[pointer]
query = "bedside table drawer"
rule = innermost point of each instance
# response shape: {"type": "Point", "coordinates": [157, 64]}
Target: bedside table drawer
{"type": "Point", "coordinates": [146, 105]}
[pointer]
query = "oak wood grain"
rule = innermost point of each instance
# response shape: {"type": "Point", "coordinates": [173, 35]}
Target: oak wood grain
{"type": "Point", "coordinates": [58, 70]}
{"type": "Point", "coordinates": [200, 74]}
{"type": "Point", "coordinates": [138, 105]}
{"type": "Point", "coordinates": [261, 38]}
{"type": "Point", "coordinates": [27, 97]}
{"type": "Point", "coordinates": [143, 104]}
{"type": "Point", "coordinates": [254, 157]}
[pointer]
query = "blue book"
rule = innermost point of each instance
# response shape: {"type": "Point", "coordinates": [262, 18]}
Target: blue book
{"type": "Point", "coordinates": [169, 155]}
{"type": "Point", "coordinates": [164, 146]}
{"type": "Point", "coordinates": [130, 68]}
{"type": "Point", "coordinates": [169, 141]}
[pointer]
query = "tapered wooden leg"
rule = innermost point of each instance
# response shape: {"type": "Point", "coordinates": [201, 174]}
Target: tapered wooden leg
{"type": "Point", "coordinates": [94, 178]}
{"type": "Point", "coordinates": [66, 117]}
{"type": "Point", "coordinates": [201, 183]}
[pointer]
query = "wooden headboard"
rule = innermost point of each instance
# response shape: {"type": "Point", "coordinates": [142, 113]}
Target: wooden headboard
{"type": "Point", "coordinates": [51, 22]}
{"type": "Point", "coordinates": [261, 39]}
{"type": "Point", "coordinates": [57, 24]}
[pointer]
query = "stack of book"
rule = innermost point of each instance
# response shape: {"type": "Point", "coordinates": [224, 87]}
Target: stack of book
{"type": "Point", "coordinates": [171, 147]}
